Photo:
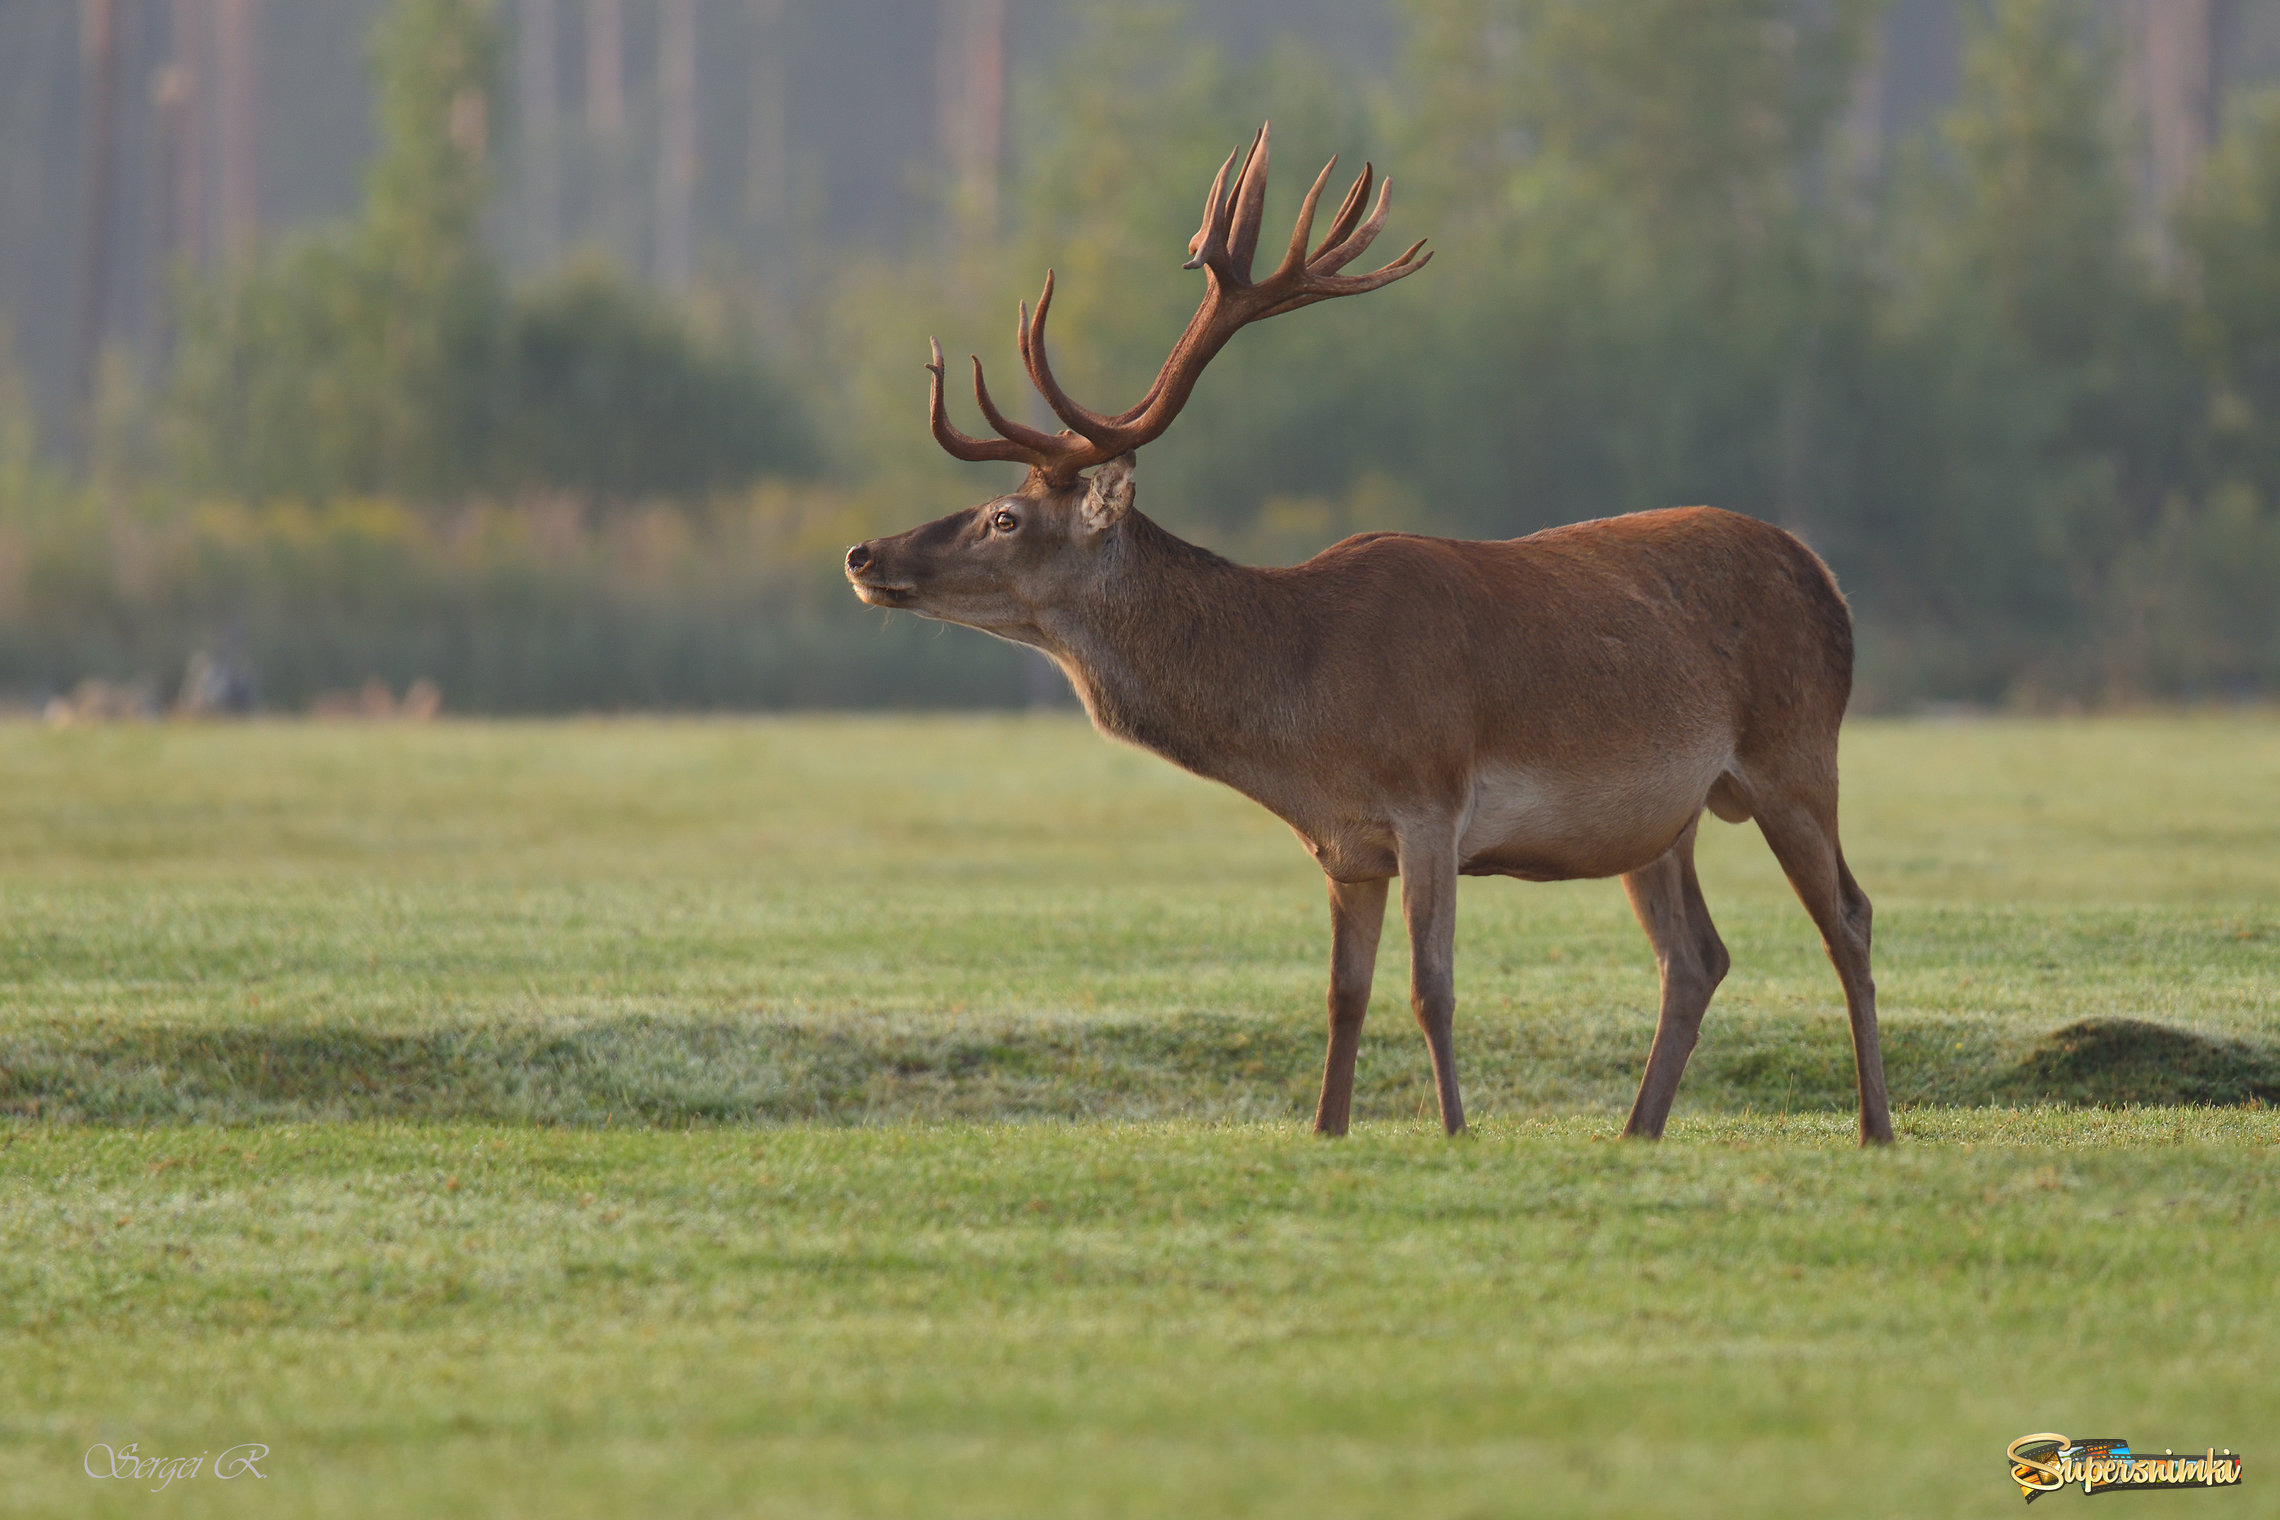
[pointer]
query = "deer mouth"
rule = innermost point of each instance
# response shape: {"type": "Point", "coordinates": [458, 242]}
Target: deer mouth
{"type": "Point", "coordinates": [882, 593]}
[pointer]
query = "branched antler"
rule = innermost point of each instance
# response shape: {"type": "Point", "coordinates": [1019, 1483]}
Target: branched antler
{"type": "Point", "coordinates": [1223, 248]}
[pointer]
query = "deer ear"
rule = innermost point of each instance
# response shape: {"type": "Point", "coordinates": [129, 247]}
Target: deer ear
{"type": "Point", "coordinates": [1108, 493]}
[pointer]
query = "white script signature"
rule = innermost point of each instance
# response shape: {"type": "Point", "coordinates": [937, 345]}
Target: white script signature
{"type": "Point", "coordinates": [128, 1462]}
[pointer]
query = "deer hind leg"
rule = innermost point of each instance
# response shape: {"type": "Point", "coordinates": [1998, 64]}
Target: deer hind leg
{"type": "Point", "coordinates": [1802, 829]}
{"type": "Point", "coordinates": [1429, 905]}
{"type": "Point", "coordinates": [1357, 913]}
{"type": "Point", "coordinates": [1693, 961]}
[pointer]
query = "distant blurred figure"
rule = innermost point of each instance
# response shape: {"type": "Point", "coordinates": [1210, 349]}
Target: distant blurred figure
{"type": "Point", "coordinates": [422, 700]}
{"type": "Point", "coordinates": [219, 684]}
{"type": "Point", "coordinates": [99, 701]}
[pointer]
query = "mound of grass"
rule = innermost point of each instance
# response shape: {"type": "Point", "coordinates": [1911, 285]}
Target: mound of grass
{"type": "Point", "coordinates": [2116, 1062]}
{"type": "Point", "coordinates": [642, 1069]}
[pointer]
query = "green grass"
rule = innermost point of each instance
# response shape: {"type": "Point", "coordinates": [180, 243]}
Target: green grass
{"type": "Point", "coordinates": [861, 920]}
{"type": "Point", "coordinates": [363, 1017]}
{"type": "Point", "coordinates": [1126, 1320]}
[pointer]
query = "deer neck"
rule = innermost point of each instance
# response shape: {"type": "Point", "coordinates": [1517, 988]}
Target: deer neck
{"type": "Point", "coordinates": [1182, 652]}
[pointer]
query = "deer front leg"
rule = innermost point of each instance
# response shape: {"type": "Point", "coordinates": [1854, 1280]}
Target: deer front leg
{"type": "Point", "coordinates": [1357, 913]}
{"type": "Point", "coordinates": [1429, 905]}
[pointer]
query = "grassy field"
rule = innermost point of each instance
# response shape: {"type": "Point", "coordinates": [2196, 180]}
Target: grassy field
{"type": "Point", "coordinates": [622, 1118]}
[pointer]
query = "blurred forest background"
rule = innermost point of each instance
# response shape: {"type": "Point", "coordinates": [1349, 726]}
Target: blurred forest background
{"type": "Point", "coordinates": [552, 350]}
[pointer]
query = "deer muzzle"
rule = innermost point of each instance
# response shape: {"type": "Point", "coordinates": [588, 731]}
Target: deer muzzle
{"type": "Point", "coordinates": [866, 573]}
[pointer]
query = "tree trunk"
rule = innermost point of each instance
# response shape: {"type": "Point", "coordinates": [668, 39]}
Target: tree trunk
{"type": "Point", "coordinates": [767, 170]}
{"type": "Point", "coordinates": [538, 126]}
{"type": "Point", "coordinates": [605, 124]}
{"type": "Point", "coordinates": [237, 86]}
{"type": "Point", "coordinates": [2173, 74]}
{"type": "Point", "coordinates": [969, 118]}
{"type": "Point", "coordinates": [676, 142]}
{"type": "Point", "coordinates": [98, 167]}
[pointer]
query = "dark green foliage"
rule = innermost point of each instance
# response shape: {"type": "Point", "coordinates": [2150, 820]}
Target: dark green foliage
{"type": "Point", "coordinates": [1666, 275]}
{"type": "Point", "coordinates": [2032, 373]}
{"type": "Point", "coordinates": [319, 373]}
{"type": "Point", "coordinates": [606, 394]}
{"type": "Point", "coordinates": [1626, 292]}
{"type": "Point", "coordinates": [1961, 384]}
{"type": "Point", "coordinates": [2033, 429]}
{"type": "Point", "coordinates": [1639, 289]}
{"type": "Point", "coordinates": [2209, 580]}
{"type": "Point", "coordinates": [1107, 198]}
{"type": "Point", "coordinates": [538, 610]}
{"type": "Point", "coordinates": [388, 356]}
{"type": "Point", "coordinates": [360, 358]}
{"type": "Point", "coordinates": [2233, 230]}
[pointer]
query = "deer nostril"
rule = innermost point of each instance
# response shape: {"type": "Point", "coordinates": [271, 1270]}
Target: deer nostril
{"type": "Point", "coordinates": [858, 557]}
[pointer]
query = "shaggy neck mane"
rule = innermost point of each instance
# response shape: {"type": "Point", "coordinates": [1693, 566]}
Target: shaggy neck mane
{"type": "Point", "coordinates": [1165, 652]}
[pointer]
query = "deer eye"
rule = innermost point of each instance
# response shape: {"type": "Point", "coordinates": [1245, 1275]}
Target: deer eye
{"type": "Point", "coordinates": [1004, 521]}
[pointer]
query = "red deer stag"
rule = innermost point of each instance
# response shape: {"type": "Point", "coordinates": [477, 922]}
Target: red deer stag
{"type": "Point", "coordinates": [1551, 707]}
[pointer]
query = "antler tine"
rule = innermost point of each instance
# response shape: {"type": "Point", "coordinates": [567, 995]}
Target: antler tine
{"type": "Point", "coordinates": [1338, 255]}
{"type": "Point", "coordinates": [1349, 212]}
{"type": "Point", "coordinates": [1250, 204]}
{"type": "Point", "coordinates": [1295, 259]}
{"type": "Point", "coordinates": [1083, 419]}
{"type": "Point", "coordinates": [1325, 287]}
{"type": "Point", "coordinates": [962, 445]}
{"type": "Point", "coordinates": [1014, 432]}
{"type": "Point", "coordinates": [1210, 240]}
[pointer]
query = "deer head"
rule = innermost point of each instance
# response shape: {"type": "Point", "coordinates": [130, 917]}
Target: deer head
{"type": "Point", "coordinates": [999, 565]}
